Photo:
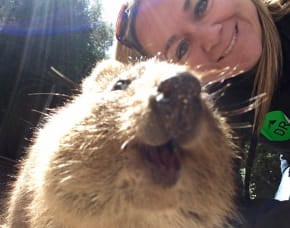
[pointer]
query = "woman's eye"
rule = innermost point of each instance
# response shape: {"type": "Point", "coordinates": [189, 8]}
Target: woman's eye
{"type": "Point", "coordinates": [200, 8]}
{"type": "Point", "coordinates": [182, 49]}
{"type": "Point", "coordinates": [121, 84]}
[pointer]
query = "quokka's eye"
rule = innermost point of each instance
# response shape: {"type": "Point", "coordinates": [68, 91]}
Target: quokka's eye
{"type": "Point", "coordinates": [121, 84]}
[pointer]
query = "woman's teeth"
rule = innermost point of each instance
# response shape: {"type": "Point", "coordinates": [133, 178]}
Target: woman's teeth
{"type": "Point", "coordinates": [231, 45]}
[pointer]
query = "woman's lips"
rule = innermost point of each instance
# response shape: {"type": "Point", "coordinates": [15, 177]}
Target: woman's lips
{"type": "Point", "coordinates": [231, 45]}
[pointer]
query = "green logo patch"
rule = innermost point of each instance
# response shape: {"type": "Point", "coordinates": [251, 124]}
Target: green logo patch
{"type": "Point", "coordinates": [276, 126]}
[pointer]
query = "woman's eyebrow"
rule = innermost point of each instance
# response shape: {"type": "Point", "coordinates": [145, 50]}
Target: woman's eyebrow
{"type": "Point", "coordinates": [169, 43]}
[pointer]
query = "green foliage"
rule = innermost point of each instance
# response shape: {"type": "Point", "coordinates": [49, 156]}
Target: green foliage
{"type": "Point", "coordinates": [66, 34]}
{"type": "Point", "coordinates": [266, 173]}
{"type": "Point", "coordinates": [36, 35]}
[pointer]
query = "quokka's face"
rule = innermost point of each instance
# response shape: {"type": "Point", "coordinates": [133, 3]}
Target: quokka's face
{"type": "Point", "coordinates": [166, 136]}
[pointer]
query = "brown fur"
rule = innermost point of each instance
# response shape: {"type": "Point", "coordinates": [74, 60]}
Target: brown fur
{"type": "Point", "coordinates": [85, 169]}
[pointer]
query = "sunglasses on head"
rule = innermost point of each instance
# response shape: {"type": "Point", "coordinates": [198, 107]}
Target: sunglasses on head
{"type": "Point", "coordinates": [125, 31]}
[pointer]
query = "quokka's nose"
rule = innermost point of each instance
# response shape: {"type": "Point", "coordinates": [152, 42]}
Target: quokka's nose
{"type": "Point", "coordinates": [177, 103]}
{"type": "Point", "coordinates": [178, 88]}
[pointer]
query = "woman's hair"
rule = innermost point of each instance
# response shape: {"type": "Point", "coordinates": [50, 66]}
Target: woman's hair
{"type": "Point", "coordinates": [270, 63]}
{"type": "Point", "coordinates": [127, 55]}
{"type": "Point", "coordinates": [278, 8]}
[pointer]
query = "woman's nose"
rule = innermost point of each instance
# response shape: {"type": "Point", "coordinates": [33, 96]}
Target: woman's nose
{"type": "Point", "coordinates": [209, 36]}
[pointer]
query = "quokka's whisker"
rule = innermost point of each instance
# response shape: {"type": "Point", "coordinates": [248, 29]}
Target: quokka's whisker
{"type": "Point", "coordinates": [253, 103]}
{"type": "Point", "coordinates": [67, 79]}
{"type": "Point", "coordinates": [223, 75]}
{"type": "Point", "coordinates": [51, 94]}
{"type": "Point", "coordinates": [40, 112]}
{"type": "Point", "coordinates": [241, 125]}
{"type": "Point", "coordinates": [219, 92]}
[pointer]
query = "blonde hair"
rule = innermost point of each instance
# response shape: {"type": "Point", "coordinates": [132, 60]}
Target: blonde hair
{"type": "Point", "coordinates": [270, 63]}
{"type": "Point", "coordinates": [278, 8]}
{"type": "Point", "coordinates": [126, 55]}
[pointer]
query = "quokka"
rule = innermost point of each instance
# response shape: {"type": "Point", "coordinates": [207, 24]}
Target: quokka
{"type": "Point", "coordinates": [141, 146]}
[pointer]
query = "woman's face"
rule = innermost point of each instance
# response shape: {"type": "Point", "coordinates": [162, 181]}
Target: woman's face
{"type": "Point", "coordinates": [213, 34]}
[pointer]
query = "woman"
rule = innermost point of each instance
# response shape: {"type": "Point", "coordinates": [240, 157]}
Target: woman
{"type": "Point", "coordinates": [252, 36]}
{"type": "Point", "coordinates": [209, 33]}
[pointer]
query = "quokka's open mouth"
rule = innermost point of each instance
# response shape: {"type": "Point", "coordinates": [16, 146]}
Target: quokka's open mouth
{"type": "Point", "coordinates": [173, 119]}
{"type": "Point", "coordinates": [163, 161]}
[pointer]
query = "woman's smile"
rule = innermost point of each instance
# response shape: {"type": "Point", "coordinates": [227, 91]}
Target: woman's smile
{"type": "Point", "coordinates": [231, 44]}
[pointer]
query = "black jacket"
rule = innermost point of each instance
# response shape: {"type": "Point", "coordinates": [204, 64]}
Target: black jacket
{"type": "Point", "coordinates": [281, 98]}
{"type": "Point", "coordinates": [242, 86]}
